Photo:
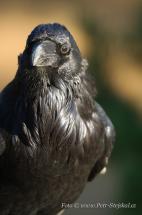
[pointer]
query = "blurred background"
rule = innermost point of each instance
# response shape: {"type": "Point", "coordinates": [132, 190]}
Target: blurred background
{"type": "Point", "coordinates": [109, 35]}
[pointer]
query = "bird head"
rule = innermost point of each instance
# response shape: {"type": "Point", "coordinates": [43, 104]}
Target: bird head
{"type": "Point", "coordinates": [52, 46]}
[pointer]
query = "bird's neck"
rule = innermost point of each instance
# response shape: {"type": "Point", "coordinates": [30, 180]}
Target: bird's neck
{"type": "Point", "coordinates": [44, 101]}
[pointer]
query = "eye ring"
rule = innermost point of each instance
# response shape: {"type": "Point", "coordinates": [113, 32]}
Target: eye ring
{"type": "Point", "coordinates": [65, 49]}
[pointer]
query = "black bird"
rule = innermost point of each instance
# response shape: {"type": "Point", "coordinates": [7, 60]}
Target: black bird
{"type": "Point", "coordinates": [53, 136]}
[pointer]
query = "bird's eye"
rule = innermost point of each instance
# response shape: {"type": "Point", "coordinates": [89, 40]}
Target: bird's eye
{"type": "Point", "coordinates": [65, 49]}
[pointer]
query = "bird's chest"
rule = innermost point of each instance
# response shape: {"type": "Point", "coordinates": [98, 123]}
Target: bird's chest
{"type": "Point", "coordinates": [56, 140]}
{"type": "Point", "coordinates": [59, 152]}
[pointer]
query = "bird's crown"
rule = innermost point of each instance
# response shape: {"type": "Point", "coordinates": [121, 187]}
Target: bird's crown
{"type": "Point", "coordinates": [48, 31]}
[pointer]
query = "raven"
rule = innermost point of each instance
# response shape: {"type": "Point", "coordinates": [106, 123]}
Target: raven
{"type": "Point", "coordinates": [54, 137]}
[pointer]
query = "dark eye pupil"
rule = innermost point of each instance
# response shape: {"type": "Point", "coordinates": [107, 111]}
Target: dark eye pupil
{"type": "Point", "coordinates": [65, 49]}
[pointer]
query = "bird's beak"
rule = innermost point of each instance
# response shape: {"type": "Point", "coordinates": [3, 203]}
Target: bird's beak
{"type": "Point", "coordinates": [44, 54]}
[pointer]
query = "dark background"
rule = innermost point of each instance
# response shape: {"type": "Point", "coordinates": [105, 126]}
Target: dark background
{"type": "Point", "coordinates": [109, 34]}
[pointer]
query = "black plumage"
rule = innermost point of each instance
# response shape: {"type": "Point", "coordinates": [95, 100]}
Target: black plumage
{"type": "Point", "coordinates": [53, 136]}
